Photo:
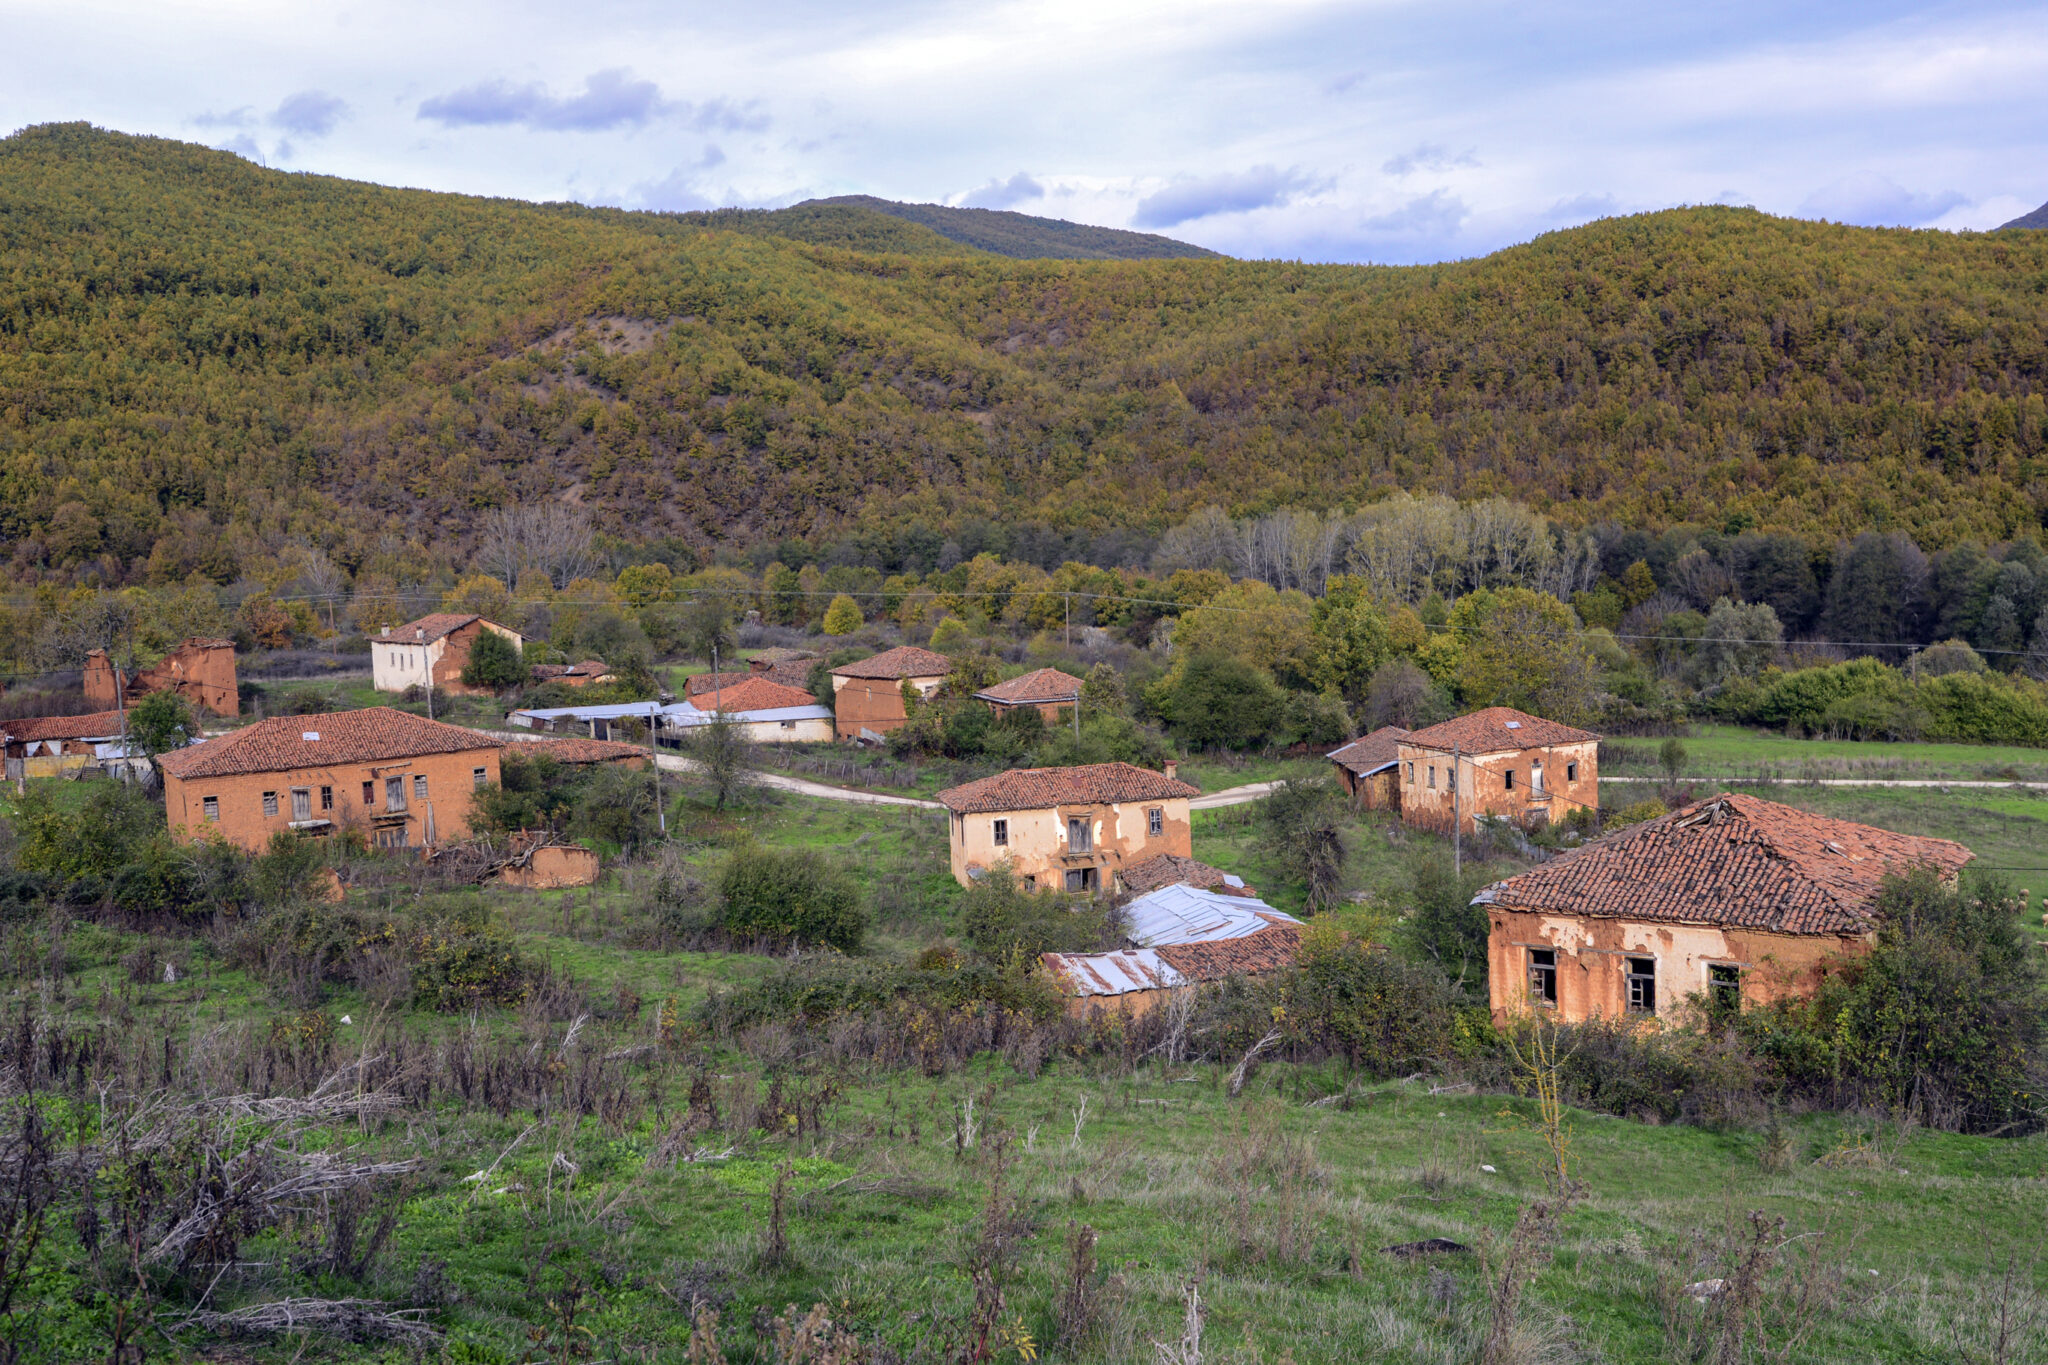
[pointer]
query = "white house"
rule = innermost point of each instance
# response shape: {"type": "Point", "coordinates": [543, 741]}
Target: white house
{"type": "Point", "coordinates": [432, 650]}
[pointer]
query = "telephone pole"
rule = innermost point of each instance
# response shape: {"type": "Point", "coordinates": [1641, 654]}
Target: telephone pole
{"type": "Point", "coordinates": [1457, 816]}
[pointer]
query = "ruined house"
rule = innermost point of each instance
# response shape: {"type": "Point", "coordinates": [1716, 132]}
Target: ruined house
{"type": "Point", "coordinates": [200, 670]}
{"type": "Point", "coordinates": [431, 652]}
{"type": "Point", "coordinates": [1052, 692]}
{"type": "Point", "coordinates": [1369, 768]}
{"type": "Point", "coordinates": [1178, 936]}
{"type": "Point", "coordinates": [1734, 901]}
{"type": "Point", "coordinates": [1497, 764]}
{"type": "Point", "coordinates": [1068, 829]}
{"type": "Point", "coordinates": [867, 695]}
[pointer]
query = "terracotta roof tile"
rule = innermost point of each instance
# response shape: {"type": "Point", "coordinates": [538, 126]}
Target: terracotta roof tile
{"type": "Point", "coordinates": [790, 673]}
{"type": "Point", "coordinates": [904, 661]}
{"type": "Point", "coordinates": [436, 624]}
{"type": "Point", "coordinates": [1733, 860]}
{"type": "Point", "coordinates": [32, 728]}
{"type": "Point", "coordinates": [1268, 950]}
{"type": "Point", "coordinates": [706, 682]}
{"type": "Point", "coordinates": [1040, 685]}
{"type": "Point", "coordinates": [576, 749]}
{"type": "Point", "coordinates": [1370, 753]}
{"type": "Point", "coordinates": [751, 693]}
{"type": "Point", "coordinates": [1170, 868]}
{"type": "Point", "coordinates": [371, 735]}
{"type": "Point", "coordinates": [1043, 788]}
{"type": "Point", "coordinates": [1497, 728]}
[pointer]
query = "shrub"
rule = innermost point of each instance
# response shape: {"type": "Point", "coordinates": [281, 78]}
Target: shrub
{"type": "Point", "coordinates": [494, 662]}
{"type": "Point", "coordinates": [842, 617]}
{"type": "Point", "coordinates": [1446, 924]}
{"type": "Point", "coordinates": [790, 895]}
{"type": "Point", "coordinates": [1007, 923]}
{"type": "Point", "coordinates": [1217, 701]}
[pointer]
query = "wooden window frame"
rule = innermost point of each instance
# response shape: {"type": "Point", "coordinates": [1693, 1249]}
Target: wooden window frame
{"type": "Point", "coordinates": [270, 805]}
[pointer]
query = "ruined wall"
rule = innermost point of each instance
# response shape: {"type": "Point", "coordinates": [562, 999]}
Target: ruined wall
{"type": "Point", "coordinates": [336, 797]}
{"type": "Point", "coordinates": [200, 671]}
{"type": "Point", "coordinates": [1485, 789]}
{"type": "Point", "coordinates": [1037, 840]}
{"type": "Point", "coordinates": [872, 703]}
{"type": "Point", "coordinates": [1592, 955]}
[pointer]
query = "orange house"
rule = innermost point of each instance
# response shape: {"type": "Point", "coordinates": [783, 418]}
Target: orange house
{"type": "Point", "coordinates": [1501, 764]}
{"type": "Point", "coordinates": [403, 780]}
{"type": "Point", "coordinates": [1735, 900]}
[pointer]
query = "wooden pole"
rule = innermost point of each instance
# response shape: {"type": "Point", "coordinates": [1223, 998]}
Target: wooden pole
{"type": "Point", "coordinates": [1457, 816]}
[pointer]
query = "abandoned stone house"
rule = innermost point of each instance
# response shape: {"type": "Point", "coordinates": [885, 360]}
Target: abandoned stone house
{"type": "Point", "coordinates": [403, 780]}
{"type": "Point", "coordinates": [53, 746]}
{"type": "Point", "coordinates": [1734, 901]}
{"type": "Point", "coordinates": [431, 651]}
{"type": "Point", "coordinates": [1500, 764]}
{"type": "Point", "coordinates": [1052, 692]}
{"type": "Point", "coordinates": [867, 695]}
{"type": "Point", "coordinates": [1067, 829]}
{"type": "Point", "coordinates": [200, 670]}
{"type": "Point", "coordinates": [1369, 768]}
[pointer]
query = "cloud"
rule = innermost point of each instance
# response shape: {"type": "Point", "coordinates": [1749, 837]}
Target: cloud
{"type": "Point", "coordinates": [722, 115]}
{"type": "Point", "coordinates": [310, 113]}
{"type": "Point", "coordinates": [1001, 194]}
{"type": "Point", "coordinates": [1584, 208]}
{"type": "Point", "coordinates": [1430, 156]}
{"type": "Point", "coordinates": [1871, 200]}
{"type": "Point", "coordinates": [1436, 214]}
{"type": "Point", "coordinates": [233, 118]}
{"type": "Point", "coordinates": [610, 99]}
{"type": "Point", "coordinates": [1239, 192]}
{"type": "Point", "coordinates": [677, 191]}
{"type": "Point", "coordinates": [244, 146]}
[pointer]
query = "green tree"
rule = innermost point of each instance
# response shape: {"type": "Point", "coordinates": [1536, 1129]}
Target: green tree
{"type": "Point", "coordinates": [707, 626]}
{"type": "Point", "coordinates": [494, 662]}
{"type": "Point", "coordinates": [842, 617]}
{"type": "Point", "coordinates": [790, 895]}
{"type": "Point", "coordinates": [1251, 622]}
{"type": "Point", "coordinates": [643, 585]}
{"type": "Point", "coordinates": [1739, 641]}
{"type": "Point", "coordinates": [1103, 692]}
{"type": "Point", "coordinates": [1522, 649]}
{"type": "Point", "coordinates": [723, 758]}
{"type": "Point", "coordinates": [1446, 924]}
{"type": "Point", "coordinates": [1304, 832]}
{"type": "Point", "coordinates": [1212, 700]}
{"type": "Point", "coordinates": [1007, 924]}
{"type": "Point", "coordinates": [1349, 639]}
{"type": "Point", "coordinates": [160, 722]}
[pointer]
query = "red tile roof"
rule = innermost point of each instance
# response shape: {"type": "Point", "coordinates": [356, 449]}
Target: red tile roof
{"type": "Point", "coordinates": [751, 693]}
{"type": "Point", "coordinates": [904, 661]}
{"type": "Point", "coordinates": [575, 749]}
{"type": "Point", "coordinates": [1370, 753]}
{"type": "Point", "coordinates": [1043, 788]}
{"type": "Point", "coordinates": [1732, 860]}
{"type": "Point", "coordinates": [98, 725]}
{"type": "Point", "coordinates": [1040, 685]}
{"type": "Point", "coordinates": [372, 735]}
{"type": "Point", "coordinates": [1170, 868]}
{"type": "Point", "coordinates": [705, 682]}
{"type": "Point", "coordinates": [790, 673]}
{"type": "Point", "coordinates": [435, 624]}
{"type": "Point", "coordinates": [1497, 728]}
{"type": "Point", "coordinates": [1268, 950]}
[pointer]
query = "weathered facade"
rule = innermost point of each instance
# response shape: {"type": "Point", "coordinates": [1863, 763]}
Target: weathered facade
{"type": "Point", "coordinates": [200, 670]}
{"type": "Point", "coordinates": [770, 712]}
{"type": "Point", "coordinates": [1369, 768]}
{"type": "Point", "coordinates": [431, 651]}
{"type": "Point", "coordinates": [1735, 900]}
{"type": "Point", "coordinates": [52, 746]}
{"type": "Point", "coordinates": [403, 780]}
{"type": "Point", "coordinates": [1500, 764]}
{"type": "Point", "coordinates": [867, 695]}
{"type": "Point", "coordinates": [1052, 692]}
{"type": "Point", "coordinates": [588, 673]}
{"type": "Point", "coordinates": [1067, 829]}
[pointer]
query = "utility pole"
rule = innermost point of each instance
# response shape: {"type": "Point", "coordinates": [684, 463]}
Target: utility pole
{"type": "Point", "coordinates": [654, 757]}
{"type": "Point", "coordinates": [1068, 599]}
{"type": "Point", "coordinates": [1457, 816]}
{"type": "Point", "coordinates": [420, 637]}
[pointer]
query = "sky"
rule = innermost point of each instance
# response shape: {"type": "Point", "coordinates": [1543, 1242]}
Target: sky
{"type": "Point", "coordinates": [1325, 130]}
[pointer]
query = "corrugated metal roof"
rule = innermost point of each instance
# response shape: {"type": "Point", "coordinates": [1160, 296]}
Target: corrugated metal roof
{"type": "Point", "coordinates": [684, 717]}
{"type": "Point", "coordinates": [1182, 914]}
{"type": "Point", "coordinates": [1117, 973]}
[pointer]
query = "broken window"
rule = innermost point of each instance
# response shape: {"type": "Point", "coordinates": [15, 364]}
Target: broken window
{"type": "Point", "coordinates": [270, 803]}
{"type": "Point", "coordinates": [1642, 984]}
{"type": "Point", "coordinates": [1432, 774]}
{"type": "Point", "coordinates": [1002, 831]}
{"type": "Point", "coordinates": [1571, 772]}
{"type": "Point", "coordinates": [327, 798]}
{"type": "Point", "coordinates": [1030, 882]}
{"type": "Point", "coordinates": [1536, 778]}
{"type": "Point", "coordinates": [1080, 836]}
{"type": "Point", "coordinates": [1081, 880]}
{"type": "Point", "coordinates": [369, 793]}
{"type": "Point", "coordinates": [1543, 976]}
{"type": "Point", "coordinates": [419, 786]}
{"type": "Point", "coordinates": [1155, 822]}
{"type": "Point", "coordinates": [1724, 987]}
{"type": "Point", "coordinates": [1411, 774]}
{"type": "Point", "coordinates": [478, 776]}
{"type": "Point", "coordinates": [1510, 775]}
{"type": "Point", "coordinates": [210, 805]}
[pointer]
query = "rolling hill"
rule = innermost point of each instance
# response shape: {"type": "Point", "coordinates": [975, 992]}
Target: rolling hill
{"type": "Point", "coordinates": [2037, 219]}
{"type": "Point", "coordinates": [201, 359]}
{"type": "Point", "coordinates": [1024, 237]}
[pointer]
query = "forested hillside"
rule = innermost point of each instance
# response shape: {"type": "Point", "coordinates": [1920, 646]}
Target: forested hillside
{"type": "Point", "coordinates": [201, 359]}
{"type": "Point", "coordinates": [1024, 235]}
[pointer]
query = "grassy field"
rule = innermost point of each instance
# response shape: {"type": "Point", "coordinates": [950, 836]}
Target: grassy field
{"type": "Point", "coordinates": [1730, 751]}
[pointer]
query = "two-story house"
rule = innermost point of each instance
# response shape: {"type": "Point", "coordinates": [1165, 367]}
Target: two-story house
{"type": "Point", "coordinates": [1068, 829]}
{"type": "Point", "coordinates": [403, 780]}
{"type": "Point", "coordinates": [431, 651]}
{"type": "Point", "coordinates": [1499, 763]}
{"type": "Point", "coordinates": [867, 694]}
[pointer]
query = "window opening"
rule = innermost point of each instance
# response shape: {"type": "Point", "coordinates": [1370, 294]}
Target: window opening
{"type": "Point", "coordinates": [327, 798]}
{"type": "Point", "coordinates": [394, 793]}
{"type": "Point", "coordinates": [419, 786]}
{"type": "Point", "coordinates": [1724, 987]}
{"type": "Point", "coordinates": [1001, 830]}
{"type": "Point", "coordinates": [1571, 772]}
{"type": "Point", "coordinates": [302, 803]}
{"type": "Point", "coordinates": [211, 806]}
{"type": "Point", "coordinates": [369, 793]}
{"type": "Point", "coordinates": [1081, 879]}
{"type": "Point", "coordinates": [1080, 836]}
{"type": "Point", "coordinates": [1642, 984]}
{"type": "Point", "coordinates": [270, 803]}
{"type": "Point", "coordinates": [1510, 775]}
{"type": "Point", "coordinates": [1432, 774]}
{"type": "Point", "coordinates": [1155, 821]}
{"type": "Point", "coordinates": [477, 776]}
{"type": "Point", "coordinates": [1543, 976]}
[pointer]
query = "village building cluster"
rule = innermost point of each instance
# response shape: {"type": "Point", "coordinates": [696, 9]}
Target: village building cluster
{"type": "Point", "coordinates": [1729, 902]}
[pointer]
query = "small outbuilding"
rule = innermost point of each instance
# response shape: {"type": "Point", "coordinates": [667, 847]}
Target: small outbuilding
{"type": "Point", "coordinates": [1052, 692]}
{"type": "Point", "coordinates": [1179, 936]}
{"type": "Point", "coordinates": [1369, 768]}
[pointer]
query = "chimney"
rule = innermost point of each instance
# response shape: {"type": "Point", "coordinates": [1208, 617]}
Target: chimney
{"type": "Point", "coordinates": [387, 630]}
{"type": "Point", "coordinates": [1172, 769]}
